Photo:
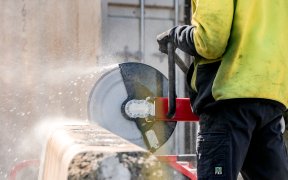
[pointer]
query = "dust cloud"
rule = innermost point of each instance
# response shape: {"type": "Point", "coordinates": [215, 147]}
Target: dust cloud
{"type": "Point", "coordinates": [49, 54]}
{"type": "Point", "coordinates": [30, 110]}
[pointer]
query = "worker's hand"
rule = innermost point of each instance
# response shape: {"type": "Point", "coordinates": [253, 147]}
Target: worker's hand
{"type": "Point", "coordinates": [163, 40]}
{"type": "Point", "coordinates": [181, 37]}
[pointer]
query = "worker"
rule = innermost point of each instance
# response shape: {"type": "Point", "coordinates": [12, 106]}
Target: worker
{"type": "Point", "coordinates": [240, 85]}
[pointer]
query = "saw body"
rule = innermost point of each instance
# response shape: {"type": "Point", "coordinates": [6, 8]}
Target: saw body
{"type": "Point", "coordinates": [120, 103]}
{"type": "Point", "coordinates": [138, 103]}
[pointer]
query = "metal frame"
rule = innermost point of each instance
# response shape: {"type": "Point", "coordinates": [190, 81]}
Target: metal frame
{"type": "Point", "coordinates": [142, 29]}
{"type": "Point", "coordinates": [182, 110]}
{"type": "Point", "coordinates": [185, 167]}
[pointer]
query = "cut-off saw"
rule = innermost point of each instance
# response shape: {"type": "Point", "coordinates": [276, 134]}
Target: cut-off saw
{"type": "Point", "coordinates": [138, 103]}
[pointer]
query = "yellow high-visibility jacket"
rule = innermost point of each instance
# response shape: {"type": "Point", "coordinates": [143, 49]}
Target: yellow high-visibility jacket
{"type": "Point", "coordinates": [250, 40]}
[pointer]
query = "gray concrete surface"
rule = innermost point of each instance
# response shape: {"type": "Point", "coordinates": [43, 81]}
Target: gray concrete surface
{"type": "Point", "coordinates": [90, 152]}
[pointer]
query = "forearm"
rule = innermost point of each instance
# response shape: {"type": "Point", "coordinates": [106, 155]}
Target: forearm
{"type": "Point", "coordinates": [183, 39]}
{"type": "Point", "coordinates": [212, 21]}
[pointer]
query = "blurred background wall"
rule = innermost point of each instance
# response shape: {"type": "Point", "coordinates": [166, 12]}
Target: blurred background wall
{"type": "Point", "coordinates": [48, 55]}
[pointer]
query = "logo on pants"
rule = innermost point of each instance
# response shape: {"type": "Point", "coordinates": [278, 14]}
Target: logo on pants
{"type": "Point", "coordinates": [218, 171]}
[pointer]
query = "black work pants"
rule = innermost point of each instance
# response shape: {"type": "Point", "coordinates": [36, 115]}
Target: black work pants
{"type": "Point", "coordinates": [242, 137]}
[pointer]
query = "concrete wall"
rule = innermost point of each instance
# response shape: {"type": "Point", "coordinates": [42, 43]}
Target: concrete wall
{"type": "Point", "coordinates": [48, 64]}
{"type": "Point", "coordinates": [122, 29]}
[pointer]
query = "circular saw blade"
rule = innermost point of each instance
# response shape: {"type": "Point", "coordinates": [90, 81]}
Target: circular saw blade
{"type": "Point", "coordinates": [104, 107]}
{"type": "Point", "coordinates": [130, 81]}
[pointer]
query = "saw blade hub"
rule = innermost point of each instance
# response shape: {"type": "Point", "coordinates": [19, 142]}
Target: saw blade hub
{"type": "Point", "coordinates": [139, 109]}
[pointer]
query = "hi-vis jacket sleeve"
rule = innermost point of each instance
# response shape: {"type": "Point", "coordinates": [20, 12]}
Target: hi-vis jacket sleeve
{"type": "Point", "coordinates": [212, 21]}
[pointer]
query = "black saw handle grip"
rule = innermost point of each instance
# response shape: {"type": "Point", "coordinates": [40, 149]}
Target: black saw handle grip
{"type": "Point", "coordinates": [171, 81]}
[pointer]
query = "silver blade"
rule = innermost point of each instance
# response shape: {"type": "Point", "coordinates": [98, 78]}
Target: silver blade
{"type": "Point", "coordinates": [104, 107]}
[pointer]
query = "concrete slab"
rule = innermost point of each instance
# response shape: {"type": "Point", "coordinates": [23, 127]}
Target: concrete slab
{"type": "Point", "coordinates": [91, 152]}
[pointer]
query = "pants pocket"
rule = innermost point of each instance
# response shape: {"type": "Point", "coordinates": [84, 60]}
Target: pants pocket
{"type": "Point", "coordinates": [213, 155]}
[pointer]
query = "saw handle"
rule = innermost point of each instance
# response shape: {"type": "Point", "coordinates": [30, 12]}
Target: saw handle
{"type": "Point", "coordinates": [171, 80]}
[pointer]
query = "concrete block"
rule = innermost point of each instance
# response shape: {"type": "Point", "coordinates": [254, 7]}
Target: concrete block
{"type": "Point", "coordinates": [90, 152]}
